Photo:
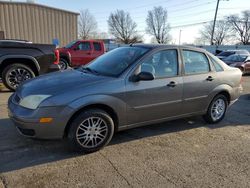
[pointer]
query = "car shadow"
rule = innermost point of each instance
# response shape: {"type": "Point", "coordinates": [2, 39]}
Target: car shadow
{"type": "Point", "coordinates": [18, 152]}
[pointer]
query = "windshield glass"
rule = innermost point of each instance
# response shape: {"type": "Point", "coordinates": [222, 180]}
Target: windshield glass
{"type": "Point", "coordinates": [116, 61]}
{"type": "Point", "coordinates": [236, 58]}
{"type": "Point", "coordinates": [225, 53]}
{"type": "Point", "coordinates": [70, 44]}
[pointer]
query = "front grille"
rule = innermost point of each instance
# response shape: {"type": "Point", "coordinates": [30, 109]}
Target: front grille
{"type": "Point", "coordinates": [16, 99]}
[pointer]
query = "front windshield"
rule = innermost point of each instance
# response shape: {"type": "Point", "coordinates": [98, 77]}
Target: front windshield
{"type": "Point", "coordinates": [70, 44]}
{"type": "Point", "coordinates": [225, 53]}
{"type": "Point", "coordinates": [236, 58]}
{"type": "Point", "coordinates": [116, 61]}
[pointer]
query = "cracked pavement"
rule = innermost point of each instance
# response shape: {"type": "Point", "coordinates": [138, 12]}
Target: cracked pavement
{"type": "Point", "coordinates": [181, 153]}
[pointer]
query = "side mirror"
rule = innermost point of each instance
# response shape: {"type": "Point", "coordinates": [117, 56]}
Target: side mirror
{"type": "Point", "coordinates": [145, 76]}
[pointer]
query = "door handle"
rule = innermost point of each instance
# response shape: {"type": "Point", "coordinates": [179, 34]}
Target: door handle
{"type": "Point", "coordinates": [210, 78]}
{"type": "Point", "coordinates": [171, 84]}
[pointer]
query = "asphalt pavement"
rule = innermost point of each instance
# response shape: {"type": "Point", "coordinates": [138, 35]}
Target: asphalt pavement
{"type": "Point", "coordinates": [181, 153]}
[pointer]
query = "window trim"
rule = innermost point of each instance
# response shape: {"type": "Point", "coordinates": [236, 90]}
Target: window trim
{"type": "Point", "coordinates": [197, 51]}
{"type": "Point", "coordinates": [212, 64]}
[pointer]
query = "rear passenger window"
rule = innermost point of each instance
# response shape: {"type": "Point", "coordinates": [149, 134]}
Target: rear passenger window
{"type": "Point", "coordinates": [195, 62]}
{"type": "Point", "coordinates": [216, 65]}
{"type": "Point", "coordinates": [97, 46]}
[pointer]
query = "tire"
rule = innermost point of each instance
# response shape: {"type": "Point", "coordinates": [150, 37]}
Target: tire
{"type": "Point", "coordinates": [88, 134]}
{"type": "Point", "coordinates": [63, 64]}
{"type": "Point", "coordinates": [14, 74]}
{"type": "Point", "coordinates": [217, 107]}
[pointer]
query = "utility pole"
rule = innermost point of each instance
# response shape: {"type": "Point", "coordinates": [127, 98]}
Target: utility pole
{"type": "Point", "coordinates": [215, 16]}
{"type": "Point", "coordinates": [180, 37]}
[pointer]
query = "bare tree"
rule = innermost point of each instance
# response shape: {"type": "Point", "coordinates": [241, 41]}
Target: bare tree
{"type": "Point", "coordinates": [87, 24]}
{"type": "Point", "coordinates": [241, 25]}
{"type": "Point", "coordinates": [122, 27]}
{"type": "Point", "coordinates": [157, 24]}
{"type": "Point", "coordinates": [222, 32]}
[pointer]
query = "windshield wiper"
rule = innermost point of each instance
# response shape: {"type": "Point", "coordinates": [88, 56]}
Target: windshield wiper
{"type": "Point", "coordinates": [89, 70]}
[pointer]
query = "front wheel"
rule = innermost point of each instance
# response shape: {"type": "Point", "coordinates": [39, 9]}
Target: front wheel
{"type": "Point", "coordinates": [216, 110]}
{"type": "Point", "coordinates": [90, 131]}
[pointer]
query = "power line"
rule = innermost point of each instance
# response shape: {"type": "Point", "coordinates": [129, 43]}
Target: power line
{"type": "Point", "coordinates": [175, 10]}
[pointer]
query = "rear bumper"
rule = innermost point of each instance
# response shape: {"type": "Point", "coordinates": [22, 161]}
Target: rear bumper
{"type": "Point", "coordinates": [53, 68]}
{"type": "Point", "coordinates": [235, 94]}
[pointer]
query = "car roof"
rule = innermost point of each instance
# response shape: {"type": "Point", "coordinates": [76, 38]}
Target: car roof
{"type": "Point", "coordinates": [158, 46]}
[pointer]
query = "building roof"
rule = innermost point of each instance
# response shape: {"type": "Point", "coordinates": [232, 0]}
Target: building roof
{"type": "Point", "coordinates": [38, 5]}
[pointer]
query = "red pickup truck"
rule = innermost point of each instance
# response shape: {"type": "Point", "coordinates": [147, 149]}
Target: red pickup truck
{"type": "Point", "coordinates": [80, 52]}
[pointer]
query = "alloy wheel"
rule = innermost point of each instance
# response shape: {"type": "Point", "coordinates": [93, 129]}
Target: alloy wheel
{"type": "Point", "coordinates": [218, 109]}
{"type": "Point", "coordinates": [18, 75]}
{"type": "Point", "coordinates": [92, 132]}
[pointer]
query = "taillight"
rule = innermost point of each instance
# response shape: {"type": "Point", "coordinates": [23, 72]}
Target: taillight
{"type": "Point", "coordinates": [56, 62]}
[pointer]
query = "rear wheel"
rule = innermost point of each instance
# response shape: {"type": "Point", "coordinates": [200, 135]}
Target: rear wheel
{"type": "Point", "coordinates": [216, 110]}
{"type": "Point", "coordinates": [14, 74]}
{"type": "Point", "coordinates": [63, 64]}
{"type": "Point", "coordinates": [90, 131]}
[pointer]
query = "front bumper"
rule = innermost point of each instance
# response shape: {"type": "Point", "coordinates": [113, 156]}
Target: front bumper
{"type": "Point", "coordinates": [28, 123]}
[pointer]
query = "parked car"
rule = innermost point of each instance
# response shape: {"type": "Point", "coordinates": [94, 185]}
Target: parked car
{"type": "Point", "coordinates": [22, 60]}
{"type": "Point", "coordinates": [124, 88]}
{"type": "Point", "coordinates": [240, 61]}
{"type": "Point", "coordinates": [227, 53]}
{"type": "Point", "coordinates": [80, 52]}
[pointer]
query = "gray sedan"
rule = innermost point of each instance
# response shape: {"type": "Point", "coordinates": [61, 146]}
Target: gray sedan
{"type": "Point", "coordinates": [125, 88]}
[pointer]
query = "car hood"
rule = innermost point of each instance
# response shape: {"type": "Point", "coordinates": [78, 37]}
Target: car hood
{"type": "Point", "coordinates": [59, 82]}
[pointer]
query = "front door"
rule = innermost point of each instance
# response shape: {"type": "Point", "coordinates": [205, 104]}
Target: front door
{"type": "Point", "coordinates": [82, 53]}
{"type": "Point", "coordinates": [159, 98]}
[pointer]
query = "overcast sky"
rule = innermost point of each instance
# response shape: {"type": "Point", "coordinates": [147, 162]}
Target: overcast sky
{"type": "Point", "coordinates": [180, 12]}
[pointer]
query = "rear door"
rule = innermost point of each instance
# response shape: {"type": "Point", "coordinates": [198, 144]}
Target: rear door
{"type": "Point", "coordinates": [97, 49]}
{"type": "Point", "coordinates": [159, 98]}
{"type": "Point", "coordinates": [198, 81]}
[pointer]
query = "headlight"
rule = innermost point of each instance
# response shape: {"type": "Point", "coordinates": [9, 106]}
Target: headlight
{"type": "Point", "coordinates": [32, 101]}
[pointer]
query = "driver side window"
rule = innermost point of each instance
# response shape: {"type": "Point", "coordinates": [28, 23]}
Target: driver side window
{"type": "Point", "coordinates": [161, 64]}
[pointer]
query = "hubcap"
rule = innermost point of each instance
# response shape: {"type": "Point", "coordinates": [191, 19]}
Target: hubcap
{"type": "Point", "coordinates": [218, 109]}
{"type": "Point", "coordinates": [91, 132]}
{"type": "Point", "coordinates": [16, 76]}
{"type": "Point", "coordinates": [62, 65]}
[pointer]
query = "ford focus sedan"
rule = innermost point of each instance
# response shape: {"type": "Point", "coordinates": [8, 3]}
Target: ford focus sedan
{"type": "Point", "coordinates": [125, 88]}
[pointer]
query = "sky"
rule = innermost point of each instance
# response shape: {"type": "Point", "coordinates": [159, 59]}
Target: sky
{"type": "Point", "coordinates": [181, 13]}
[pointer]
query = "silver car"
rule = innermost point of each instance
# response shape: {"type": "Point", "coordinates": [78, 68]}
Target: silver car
{"type": "Point", "coordinates": [125, 88]}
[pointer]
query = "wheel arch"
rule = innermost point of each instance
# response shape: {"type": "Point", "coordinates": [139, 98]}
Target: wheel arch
{"type": "Point", "coordinates": [100, 106]}
{"type": "Point", "coordinates": [23, 59]}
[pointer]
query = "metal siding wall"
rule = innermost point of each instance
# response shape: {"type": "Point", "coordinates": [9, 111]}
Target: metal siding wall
{"type": "Point", "coordinates": [36, 23]}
